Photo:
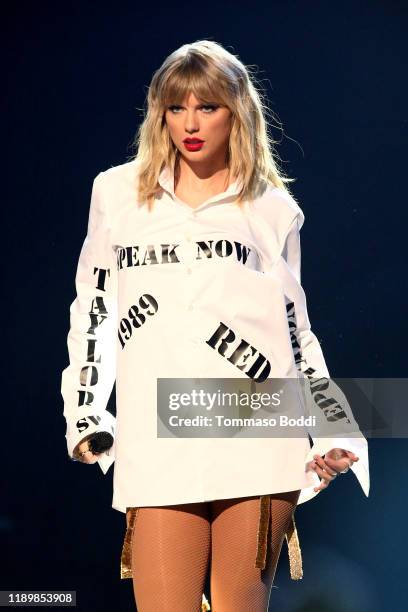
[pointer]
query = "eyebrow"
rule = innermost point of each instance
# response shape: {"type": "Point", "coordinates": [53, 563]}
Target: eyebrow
{"type": "Point", "coordinates": [196, 105]}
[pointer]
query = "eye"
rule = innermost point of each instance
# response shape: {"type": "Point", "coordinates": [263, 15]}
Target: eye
{"type": "Point", "coordinates": [207, 108]}
{"type": "Point", "coordinates": [212, 107]}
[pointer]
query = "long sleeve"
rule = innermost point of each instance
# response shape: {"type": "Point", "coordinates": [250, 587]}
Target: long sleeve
{"type": "Point", "coordinates": [335, 423]}
{"type": "Point", "coordinates": [87, 382]}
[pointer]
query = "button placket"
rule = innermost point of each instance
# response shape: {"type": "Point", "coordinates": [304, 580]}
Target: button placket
{"type": "Point", "coordinates": [191, 325]}
{"type": "Point", "coordinates": [192, 215]}
{"type": "Point", "coordinates": [190, 307]}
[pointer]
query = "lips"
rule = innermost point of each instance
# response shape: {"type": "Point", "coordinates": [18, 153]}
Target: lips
{"type": "Point", "coordinates": [193, 144]}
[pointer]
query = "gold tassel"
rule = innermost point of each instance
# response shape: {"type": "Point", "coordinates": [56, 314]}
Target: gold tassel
{"type": "Point", "coordinates": [126, 557]}
{"type": "Point", "coordinates": [264, 516]}
{"type": "Point", "coordinates": [292, 538]}
{"type": "Point", "coordinates": [295, 555]}
{"type": "Point", "coordinates": [205, 606]}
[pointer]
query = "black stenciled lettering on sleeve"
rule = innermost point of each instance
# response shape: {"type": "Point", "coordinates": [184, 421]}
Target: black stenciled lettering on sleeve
{"type": "Point", "coordinates": [159, 254]}
{"type": "Point", "coordinates": [240, 353]}
{"type": "Point", "coordinates": [85, 422]}
{"type": "Point", "coordinates": [319, 387]}
{"type": "Point", "coordinates": [89, 373]}
{"type": "Point", "coordinates": [297, 352]}
{"type": "Point", "coordinates": [136, 317]}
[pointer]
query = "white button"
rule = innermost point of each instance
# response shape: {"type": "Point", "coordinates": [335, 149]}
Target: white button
{"type": "Point", "coordinates": [190, 307]}
{"type": "Point", "coordinates": [188, 237]}
{"type": "Point", "coordinates": [188, 270]}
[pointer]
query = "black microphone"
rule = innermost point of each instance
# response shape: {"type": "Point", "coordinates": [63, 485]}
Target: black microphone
{"type": "Point", "coordinates": [100, 442]}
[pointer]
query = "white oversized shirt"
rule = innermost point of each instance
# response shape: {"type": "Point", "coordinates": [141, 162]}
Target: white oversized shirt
{"type": "Point", "coordinates": [152, 289]}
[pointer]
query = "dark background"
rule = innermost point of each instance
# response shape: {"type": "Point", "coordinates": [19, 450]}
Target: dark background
{"type": "Point", "coordinates": [75, 75]}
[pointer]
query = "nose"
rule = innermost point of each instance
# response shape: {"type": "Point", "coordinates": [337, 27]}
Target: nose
{"type": "Point", "coordinates": [191, 124]}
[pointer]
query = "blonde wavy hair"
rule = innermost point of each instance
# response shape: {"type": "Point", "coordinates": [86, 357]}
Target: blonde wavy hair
{"type": "Point", "coordinates": [214, 75]}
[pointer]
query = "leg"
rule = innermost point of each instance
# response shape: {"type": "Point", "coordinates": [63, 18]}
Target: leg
{"type": "Point", "coordinates": [236, 584]}
{"type": "Point", "coordinates": [170, 554]}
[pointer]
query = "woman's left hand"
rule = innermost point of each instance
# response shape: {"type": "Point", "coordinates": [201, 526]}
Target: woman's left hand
{"type": "Point", "coordinates": [335, 461]}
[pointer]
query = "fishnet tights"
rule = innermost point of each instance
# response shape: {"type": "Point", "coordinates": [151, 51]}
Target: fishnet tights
{"type": "Point", "coordinates": [172, 546]}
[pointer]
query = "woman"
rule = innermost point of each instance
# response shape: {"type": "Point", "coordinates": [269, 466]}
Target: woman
{"type": "Point", "coordinates": [191, 267]}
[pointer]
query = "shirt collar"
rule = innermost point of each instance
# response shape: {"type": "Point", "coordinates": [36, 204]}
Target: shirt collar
{"type": "Point", "coordinates": [166, 181]}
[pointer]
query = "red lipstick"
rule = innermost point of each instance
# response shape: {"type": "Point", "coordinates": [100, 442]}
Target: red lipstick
{"type": "Point", "coordinates": [193, 144]}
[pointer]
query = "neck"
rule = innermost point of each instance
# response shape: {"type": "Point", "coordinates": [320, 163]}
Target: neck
{"type": "Point", "coordinates": [201, 178]}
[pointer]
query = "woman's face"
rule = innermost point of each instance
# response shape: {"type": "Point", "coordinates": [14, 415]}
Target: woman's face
{"type": "Point", "coordinates": [209, 123]}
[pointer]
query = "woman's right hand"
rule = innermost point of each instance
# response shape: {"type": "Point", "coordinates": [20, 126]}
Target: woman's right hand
{"type": "Point", "coordinates": [83, 453]}
{"type": "Point", "coordinates": [89, 449]}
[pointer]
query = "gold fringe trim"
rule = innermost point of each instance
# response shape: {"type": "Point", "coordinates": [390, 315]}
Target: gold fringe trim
{"type": "Point", "coordinates": [264, 516]}
{"type": "Point", "coordinates": [295, 554]}
{"type": "Point", "coordinates": [292, 538]}
{"type": "Point", "coordinates": [126, 556]}
{"type": "Point", "coordinates": [205, 606]}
